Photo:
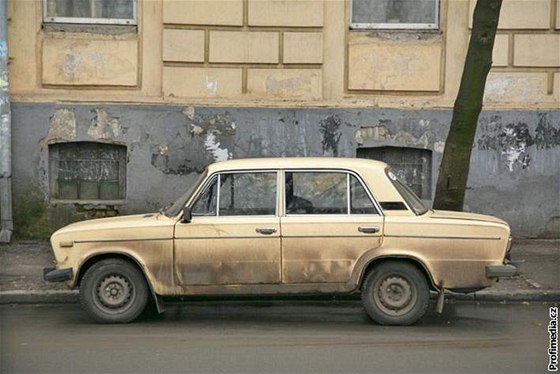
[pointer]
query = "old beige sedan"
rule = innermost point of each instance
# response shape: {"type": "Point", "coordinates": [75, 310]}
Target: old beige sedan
{"type": "Point", "coordinates": [284, 226]}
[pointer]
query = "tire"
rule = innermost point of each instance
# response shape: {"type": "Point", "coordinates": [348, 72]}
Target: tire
{"type": "Point", "coordinates": [113, 291]}
{"type": "Point", "coordinates": [395, 293]}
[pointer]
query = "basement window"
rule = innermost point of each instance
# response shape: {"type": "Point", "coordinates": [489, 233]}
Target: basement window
{"type": "Point", "coordinates": [115, 12]}
{"type": "Point", "coordinates": [395, 14]}
{"type": "Point", "coordinates": [412, 166]}
{"type": "Point", "coordinates": [87, 171]}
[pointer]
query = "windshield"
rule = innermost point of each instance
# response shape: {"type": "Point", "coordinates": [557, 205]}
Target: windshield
{"type": "Point", "coordinates": [407, 194]}
{"type": "Point", "coordinates": [180, 203]}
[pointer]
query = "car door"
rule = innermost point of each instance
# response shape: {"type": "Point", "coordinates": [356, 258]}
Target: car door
{"type": "Point", "coordinates": [329, 221]}
{"type": "Point", "coordinates": [234, 234]}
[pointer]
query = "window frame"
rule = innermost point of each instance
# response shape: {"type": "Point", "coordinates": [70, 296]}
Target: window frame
{"type": "Point", "coordinates": [396, 26]}
{"type": "Point", "coordinates": [92, 21]}
{"type": "Point", "coordinates": [53, 165]}
{"type": "Point", "coordinates": [348, 202]}
{"type": "Point", "coordinates": [218, 176]}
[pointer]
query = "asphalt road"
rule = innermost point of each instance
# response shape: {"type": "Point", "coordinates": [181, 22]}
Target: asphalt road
{"type": "Point", "coordinates": [271, 337]}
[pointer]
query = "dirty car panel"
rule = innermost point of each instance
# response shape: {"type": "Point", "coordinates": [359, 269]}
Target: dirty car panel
{"type": "Point", "coordinates": [282, 226]}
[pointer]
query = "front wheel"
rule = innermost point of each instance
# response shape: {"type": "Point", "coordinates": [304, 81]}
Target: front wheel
{"type": "Point", "coordinates": [113, 291]}
{"type": "Point", "coordinates": [395, 293]}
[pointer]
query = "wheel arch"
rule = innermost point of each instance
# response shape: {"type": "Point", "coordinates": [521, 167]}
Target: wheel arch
{"type": "Point", "coordinates": [90, 261]}
{"type": "Point", "coordinates": [403, 258]}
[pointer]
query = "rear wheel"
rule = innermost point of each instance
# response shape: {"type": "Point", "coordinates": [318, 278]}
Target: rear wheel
{"type": "Point", "coordinates": [113, 291]}
{"type": "Point", "coordinates": [395, 293]}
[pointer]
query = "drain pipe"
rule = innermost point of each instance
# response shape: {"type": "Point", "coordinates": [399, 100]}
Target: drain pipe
{"type": "Point", "coordinates": [6, 221]}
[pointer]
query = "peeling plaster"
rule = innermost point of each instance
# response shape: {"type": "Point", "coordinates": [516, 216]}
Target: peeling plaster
{"type": "Point", "coordinates": [211, 86]}
{"type": "Point", "coordinates": [514, 141]}
{"type": "Point", "coordinates": [204, 139]}
{"type": "Point", "coordinates": [70, 65]}
{"type": "Point", "coordinates": [403, 138]}
{"type": "Point", "coordinates": [62, 127]}
{"type": "Point", "coordinates": [213, 146]}
{"type": "Point", "coordinates": [103, 127]}
{"type": "Point", "coordinates": [439, 147]}
{"type": "Point", "coordinates": [375, 133]}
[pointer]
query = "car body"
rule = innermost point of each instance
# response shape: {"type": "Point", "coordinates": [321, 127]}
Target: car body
{"type": "Point", "coordinates": [278, 226]}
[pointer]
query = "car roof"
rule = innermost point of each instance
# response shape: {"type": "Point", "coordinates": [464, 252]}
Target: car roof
{"type": "Point", "coordinates": [296, 163]}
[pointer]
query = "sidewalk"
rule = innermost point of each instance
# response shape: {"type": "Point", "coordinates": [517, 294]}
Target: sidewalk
{"type": "Point", "coordinates": [21, 271]}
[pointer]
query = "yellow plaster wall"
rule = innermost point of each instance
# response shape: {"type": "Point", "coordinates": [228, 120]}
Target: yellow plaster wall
{"type": "Point", "coordinates": [282, 53]}
{"type": "Point", "coordinates": [92, 62]}
{"type": "Point", "coordinates": [409, 63]}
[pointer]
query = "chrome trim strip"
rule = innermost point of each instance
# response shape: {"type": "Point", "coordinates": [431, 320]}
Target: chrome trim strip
{"type": "Point", "coordinates": [444, 237]}
{"type": "Point", "coordinates": [120, 240]}
{"type": "Point", "coordinates": [366, 236]}
{"type": "Point", "coordinates": [227, 237]}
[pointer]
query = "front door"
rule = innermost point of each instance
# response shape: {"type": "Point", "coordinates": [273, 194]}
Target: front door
{"type": "Point", "coordinates": [234, 235]}
{"type": "Point", "coordinates": [330, 221]}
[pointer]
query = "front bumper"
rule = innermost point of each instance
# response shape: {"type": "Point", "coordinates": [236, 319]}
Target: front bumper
{"type": "Point", "coordinates": [57, 275]}
{"type": "Point", "coordinates": [501, 271]}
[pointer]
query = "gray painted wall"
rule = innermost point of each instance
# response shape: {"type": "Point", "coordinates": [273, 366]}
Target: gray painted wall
{"type": "Point", "coordinates": [515, 166]}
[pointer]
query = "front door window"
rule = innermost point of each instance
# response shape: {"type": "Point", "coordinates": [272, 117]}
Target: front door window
{"type": "Point", "coordinates": [247, 194]}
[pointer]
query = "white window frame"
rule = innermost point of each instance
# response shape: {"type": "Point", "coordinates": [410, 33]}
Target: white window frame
{"type": "Point", "coordinates": [348, 213]}
{"type": "Point", "coordinates": [395, 26]}
{"type": "Point", "coordinates": [93, 21]}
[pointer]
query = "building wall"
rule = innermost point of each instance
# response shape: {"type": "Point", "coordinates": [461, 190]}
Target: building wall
{"type": "Point", "coordinates": [514, 172]}
{"type": "Point", "coordinates": [281, 53]}
{"type": "Point", "coordinates": [202, 80]}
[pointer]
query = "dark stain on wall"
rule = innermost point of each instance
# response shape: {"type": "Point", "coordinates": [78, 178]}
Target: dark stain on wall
{"type": "Point", "coordinates": [514, 140]}
{"type": "Point", "coordinates": [546, 135]}
{"type": "Point", "coordinates": [330, 131]}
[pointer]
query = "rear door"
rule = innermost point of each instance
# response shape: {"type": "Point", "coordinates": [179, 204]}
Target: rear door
{"type": "Point", "coordinates": [330, 220]}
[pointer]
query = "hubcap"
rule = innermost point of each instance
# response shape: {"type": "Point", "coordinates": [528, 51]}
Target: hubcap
{"type": "Point", "coordinates": [114, 291]}
{"type": "Point", "coordinates": [394, 295]}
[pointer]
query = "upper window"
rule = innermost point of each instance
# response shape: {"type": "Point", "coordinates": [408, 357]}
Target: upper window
{"type": "Point", "coordinates": [238, 194]}
{"type": "Point", "coordinates": [395, 14]}
{"type": "Point", "coordinates": [326, 193]}
{"type": "Point", "coordinates": [87, 171]}
{"type": "Point", "coordinates": [119, 12]}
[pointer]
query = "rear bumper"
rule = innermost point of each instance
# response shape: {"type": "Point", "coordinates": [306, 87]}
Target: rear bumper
{"type": "Point", "coordinates": [57, 275]}
{"type": "Point", "coordinates": [501, 271]}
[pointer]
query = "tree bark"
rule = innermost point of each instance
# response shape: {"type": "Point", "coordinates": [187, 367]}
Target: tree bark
{"type": "Point", "coordinates": [454, 168]}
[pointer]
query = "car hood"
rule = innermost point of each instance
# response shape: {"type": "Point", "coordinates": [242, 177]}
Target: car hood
{"type": "Point", "coordinates": [447, 214]}
{"type": "Point", "coordinates": [133, 226]}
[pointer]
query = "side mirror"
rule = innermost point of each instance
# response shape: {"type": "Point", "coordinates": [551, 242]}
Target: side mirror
{"type": "Point", "coordinates": [187, 215]}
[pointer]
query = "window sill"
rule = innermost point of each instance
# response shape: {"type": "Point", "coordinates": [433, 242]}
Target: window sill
{"type": "Point", "coordinates": [95, 203]}
{"type": "Point", "coordinates": [104, 29]}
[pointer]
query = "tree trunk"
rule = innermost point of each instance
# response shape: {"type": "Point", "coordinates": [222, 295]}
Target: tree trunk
{"type": "Point", "coordinates": [454, 168]}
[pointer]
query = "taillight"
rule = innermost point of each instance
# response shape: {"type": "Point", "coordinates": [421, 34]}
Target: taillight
{"type": "Point", "coordinates": [508, 248]}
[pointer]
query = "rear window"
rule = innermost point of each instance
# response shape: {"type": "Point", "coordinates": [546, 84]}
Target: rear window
{"type": "Point", "coordinates": [407, 194]}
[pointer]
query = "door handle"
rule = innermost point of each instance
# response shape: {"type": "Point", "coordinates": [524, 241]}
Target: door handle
{"type": "Point", "coordinates": [368, 229]}
{"type": "Point", "coordinates": [265, 230]}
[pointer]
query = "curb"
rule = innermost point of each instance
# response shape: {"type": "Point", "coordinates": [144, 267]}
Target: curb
{"type": "Point", "coordinates": [71, 297]}
{"type": "Point", "coordinates": [516, 296]}
{"type": "Point", "coordinates": [39, 297]}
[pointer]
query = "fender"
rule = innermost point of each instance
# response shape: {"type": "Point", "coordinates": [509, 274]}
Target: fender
{"type": "Point", "coordinates": [358, 273]}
